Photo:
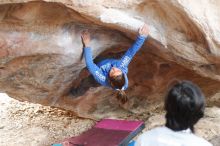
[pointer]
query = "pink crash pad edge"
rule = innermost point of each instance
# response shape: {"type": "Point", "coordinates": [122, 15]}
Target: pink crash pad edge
{"type": "Point", "coordinates": [113, 124]}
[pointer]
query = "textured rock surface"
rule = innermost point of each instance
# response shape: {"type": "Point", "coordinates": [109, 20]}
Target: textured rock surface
{"type": "Point", "coordinates": [41, 51]}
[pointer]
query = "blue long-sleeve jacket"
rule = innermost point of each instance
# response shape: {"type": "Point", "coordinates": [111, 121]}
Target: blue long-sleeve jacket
{"type": "Point", "coordinates": [101, 71]}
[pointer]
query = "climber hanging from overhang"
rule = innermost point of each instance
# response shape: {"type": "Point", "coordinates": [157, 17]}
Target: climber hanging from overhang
{"type": "Point", "coordinates": [113, 72]}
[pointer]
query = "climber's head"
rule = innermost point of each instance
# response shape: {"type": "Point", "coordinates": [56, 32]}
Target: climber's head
{"type": "Point", "coordinates": [118, 81]}
{"type": "Point", "coordinates": [114, 72]}
{"type": "Point", "coordinates": [116, 78]}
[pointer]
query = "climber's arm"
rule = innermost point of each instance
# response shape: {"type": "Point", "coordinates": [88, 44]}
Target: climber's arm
{"type": "Point", "coordinates": [127, 57]}
{"type": "Point", "coordinates": [92, 67]}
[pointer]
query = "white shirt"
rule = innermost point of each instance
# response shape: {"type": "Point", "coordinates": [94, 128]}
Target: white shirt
{"type": "Point", "coordinates": [163, 136]}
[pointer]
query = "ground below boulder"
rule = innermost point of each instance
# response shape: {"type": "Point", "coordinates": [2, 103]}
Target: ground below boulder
{"type": "Point", "coordinates": [24, 123]}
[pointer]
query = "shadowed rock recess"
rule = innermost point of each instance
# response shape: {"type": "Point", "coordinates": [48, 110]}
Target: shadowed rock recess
{"type": "Point", "coordinates": [41, 52]}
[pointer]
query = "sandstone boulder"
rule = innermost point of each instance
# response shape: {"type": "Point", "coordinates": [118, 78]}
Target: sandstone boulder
{"type": "Point", "coordinates": [41, 52]}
